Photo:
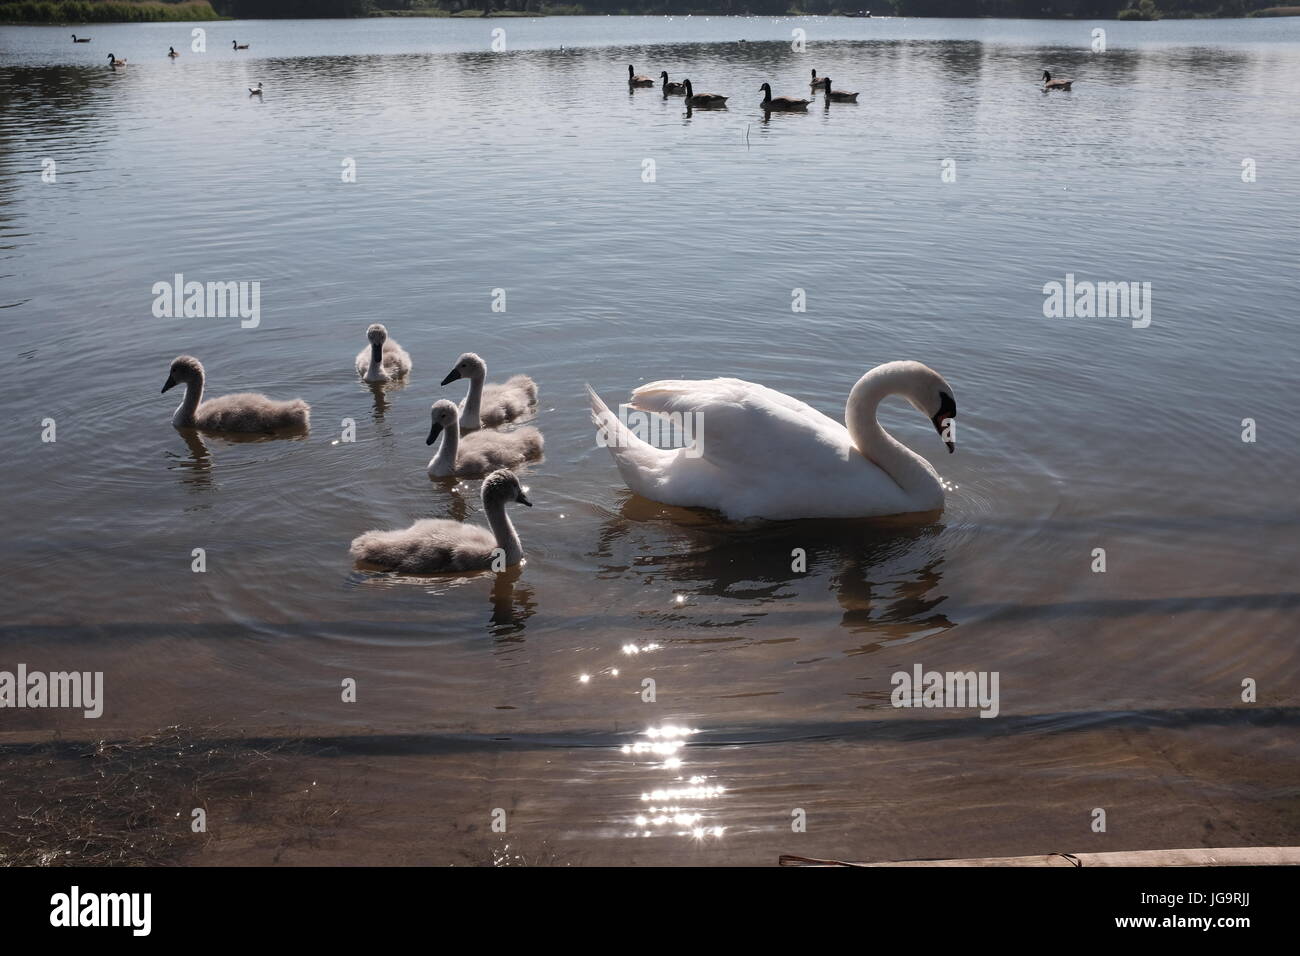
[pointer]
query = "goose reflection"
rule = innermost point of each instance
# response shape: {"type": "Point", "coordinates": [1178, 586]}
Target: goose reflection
{"type": "Point", "coordinates": [886, 574]}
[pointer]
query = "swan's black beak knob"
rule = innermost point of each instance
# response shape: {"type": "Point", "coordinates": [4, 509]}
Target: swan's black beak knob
{"type": "Point", "coordinates": [171, 382]}
{"type": "Point", "coordinates": [434, 432]}
{"type": "Point", "coordinates": [451, 376]}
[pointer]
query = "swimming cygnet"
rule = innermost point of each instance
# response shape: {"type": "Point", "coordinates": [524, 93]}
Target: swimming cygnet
{"type": "Point", "coordinates": [488, 405]}
{"type": "Point", "coordinates": [468, 456]}
{"type": "Point", "coordinates": [438, 544]}
{"type": "Point", "coordinates": [383, 359]}
{"type": "Point", "coordinates": [242, 412]}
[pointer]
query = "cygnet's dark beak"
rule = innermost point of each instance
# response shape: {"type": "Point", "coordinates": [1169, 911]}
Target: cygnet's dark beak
{"type": "Point", "coordinates": [523, 499]}
{"type": "Point", "coordinates": [171, 381]}
{"type": "Point", "coordinates": [434, 432]}
{"type": "Point", "coordinates": [451, 376]}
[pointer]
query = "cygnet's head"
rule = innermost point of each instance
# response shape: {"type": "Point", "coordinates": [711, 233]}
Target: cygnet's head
{"type": "Point", "coordinates": [468, 366]}
{"type": "Point", "coordinates": [503, 486]}
{"type": "Point", "coordinates": [185, 370]}
{"type": "Point", "coordinates": [377, 334]}
{"type": "Point", "coordinates": [445, 415]}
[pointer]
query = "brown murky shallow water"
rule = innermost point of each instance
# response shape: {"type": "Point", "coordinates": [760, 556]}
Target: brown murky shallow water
{"type": "Point", "coordinates": [1119, 690]}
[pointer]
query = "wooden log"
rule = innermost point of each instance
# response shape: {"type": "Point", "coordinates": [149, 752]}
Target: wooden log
{"type": "Point", "coordinates": [1227, 856]}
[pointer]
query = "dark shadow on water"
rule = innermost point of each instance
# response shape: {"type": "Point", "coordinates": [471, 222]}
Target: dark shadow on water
{"type": "Point", "coordinates": [893, 730]}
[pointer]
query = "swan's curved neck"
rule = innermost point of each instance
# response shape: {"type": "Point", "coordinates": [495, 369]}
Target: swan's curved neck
{"type": "Point", "coordinates": [444, 459]}
{"type": "Point", "coordinates": [470, 410]}
{"type": "Point", "coordinates": [184, 415]}
{"type": "Point", "coordinates": [504, 531]}
{"type": "Point", "coordinates": [910, 471]}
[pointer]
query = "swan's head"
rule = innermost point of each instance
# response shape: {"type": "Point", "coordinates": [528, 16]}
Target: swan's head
{"type": "Point", "coordinates": [503, 486]}
{"type": "Point", "coordinates": [185, 370]}
{"type": "Point", "coordinates": [931, 395]}
{"type": "Point", "coordinates": [445, 415]}
{"type": "Point", "coordinates": [468, 366]}
{"type": "Point", "coordinates": [376, 334]}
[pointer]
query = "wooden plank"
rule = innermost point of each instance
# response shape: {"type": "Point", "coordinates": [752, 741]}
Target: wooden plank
{"type": "Point", "coordinates": [1225, 856]}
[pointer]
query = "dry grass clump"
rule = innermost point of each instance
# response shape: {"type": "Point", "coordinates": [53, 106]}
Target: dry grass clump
{"type": "Point", "coordinates": [123, 803]}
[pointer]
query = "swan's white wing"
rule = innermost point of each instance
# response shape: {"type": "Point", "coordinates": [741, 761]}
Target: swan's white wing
{"type": "Point", "coordinates": [745, 427]}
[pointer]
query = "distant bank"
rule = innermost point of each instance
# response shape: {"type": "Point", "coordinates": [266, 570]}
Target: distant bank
{"type": "Point", "coordinates": [141, 11]}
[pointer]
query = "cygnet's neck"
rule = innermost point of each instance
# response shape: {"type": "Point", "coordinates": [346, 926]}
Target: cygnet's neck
{"type": "Point", "coordinates": [376, 369]}
{"type": "Point", "coordinates": [910, 471]}
{"type": "Point", "coordinates": [184, 415]}
{"type": "Point", "coordinates": [443, 462]}
{"type": "Point", "coordinates": [504, 531]}
{"type": "Point", "coordinates": [469, 410]}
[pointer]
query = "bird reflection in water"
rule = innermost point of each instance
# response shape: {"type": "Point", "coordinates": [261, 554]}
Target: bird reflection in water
{"type": "Point", "coordinates": [885, 573]}
{"type": "Point", "coordinates": [196, 470]}
{"type": "Point", "coordinates": [512, 605]}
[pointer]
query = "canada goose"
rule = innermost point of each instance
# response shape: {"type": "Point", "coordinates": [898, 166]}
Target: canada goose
{"type": "Point", "coordinates": [115, 62]}
{"type": "Point", "coordinates": [238, 46]}
{"type": "Point", "coordinates": [676, 89]}
{"type": "Point", "coordinates": [705, 100]}
{"type": "Point", "coordinates": [769, 455]}
{"type": "Point", "coordinates": [77, 39]}
{"type": "Point", "coordinates": [837, 96]}
{"type": "Point", "coordinates": [816, 83]}
{"type": "Point", "coordinates": [383, 359]}
{"type": "Point", "coordinates": [490, 404]}
{"type": "Point", "coordinates": [636, 79]}
{"type": "Point", "coordinates": [171, 52]}
{"type": "Point", "coordinates": [255, 91]}
{"type": "Point", "coordinates": [439, 544]}
{"type": "Point", "coordinates": [241, 412]}
{"type": "Point", "coordinates": [784, 103]}
{"type": "Point", "coordinates": [1051, 84]}
{"type": "Point", "coordinates": [468, 456]}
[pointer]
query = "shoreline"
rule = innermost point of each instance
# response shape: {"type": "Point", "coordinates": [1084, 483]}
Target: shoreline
{"type": "Point", "coordinates": [1268, 13]}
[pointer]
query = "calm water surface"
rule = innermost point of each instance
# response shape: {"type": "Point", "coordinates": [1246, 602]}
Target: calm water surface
{"type": "Point", "coordinates": [522, 170]}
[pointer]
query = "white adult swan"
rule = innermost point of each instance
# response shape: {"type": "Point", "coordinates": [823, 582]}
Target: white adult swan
{"type": "Point", "coordinates": [439, 544]}
{"type": "Point", "coordinates": [761, 454]}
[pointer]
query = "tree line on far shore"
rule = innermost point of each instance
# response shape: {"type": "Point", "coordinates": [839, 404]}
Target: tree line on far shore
{"type": "Point", "coordinates": [104, 11]}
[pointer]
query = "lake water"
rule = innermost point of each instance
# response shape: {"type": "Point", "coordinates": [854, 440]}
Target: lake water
{"type": "Point", "coordinates": [523, 170]}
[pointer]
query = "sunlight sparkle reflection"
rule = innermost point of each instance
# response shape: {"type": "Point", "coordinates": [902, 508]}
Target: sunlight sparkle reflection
{"type": "Point", "coordinates": [680, 807]}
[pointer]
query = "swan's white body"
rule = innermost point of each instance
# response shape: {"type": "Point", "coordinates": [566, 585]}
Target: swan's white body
{"type": "Point", "coordinates": [438, 544]}
{"type": "Point", "coordinates": [764, 454]}
{"type": "Point", "coordinates": [383, 359]}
